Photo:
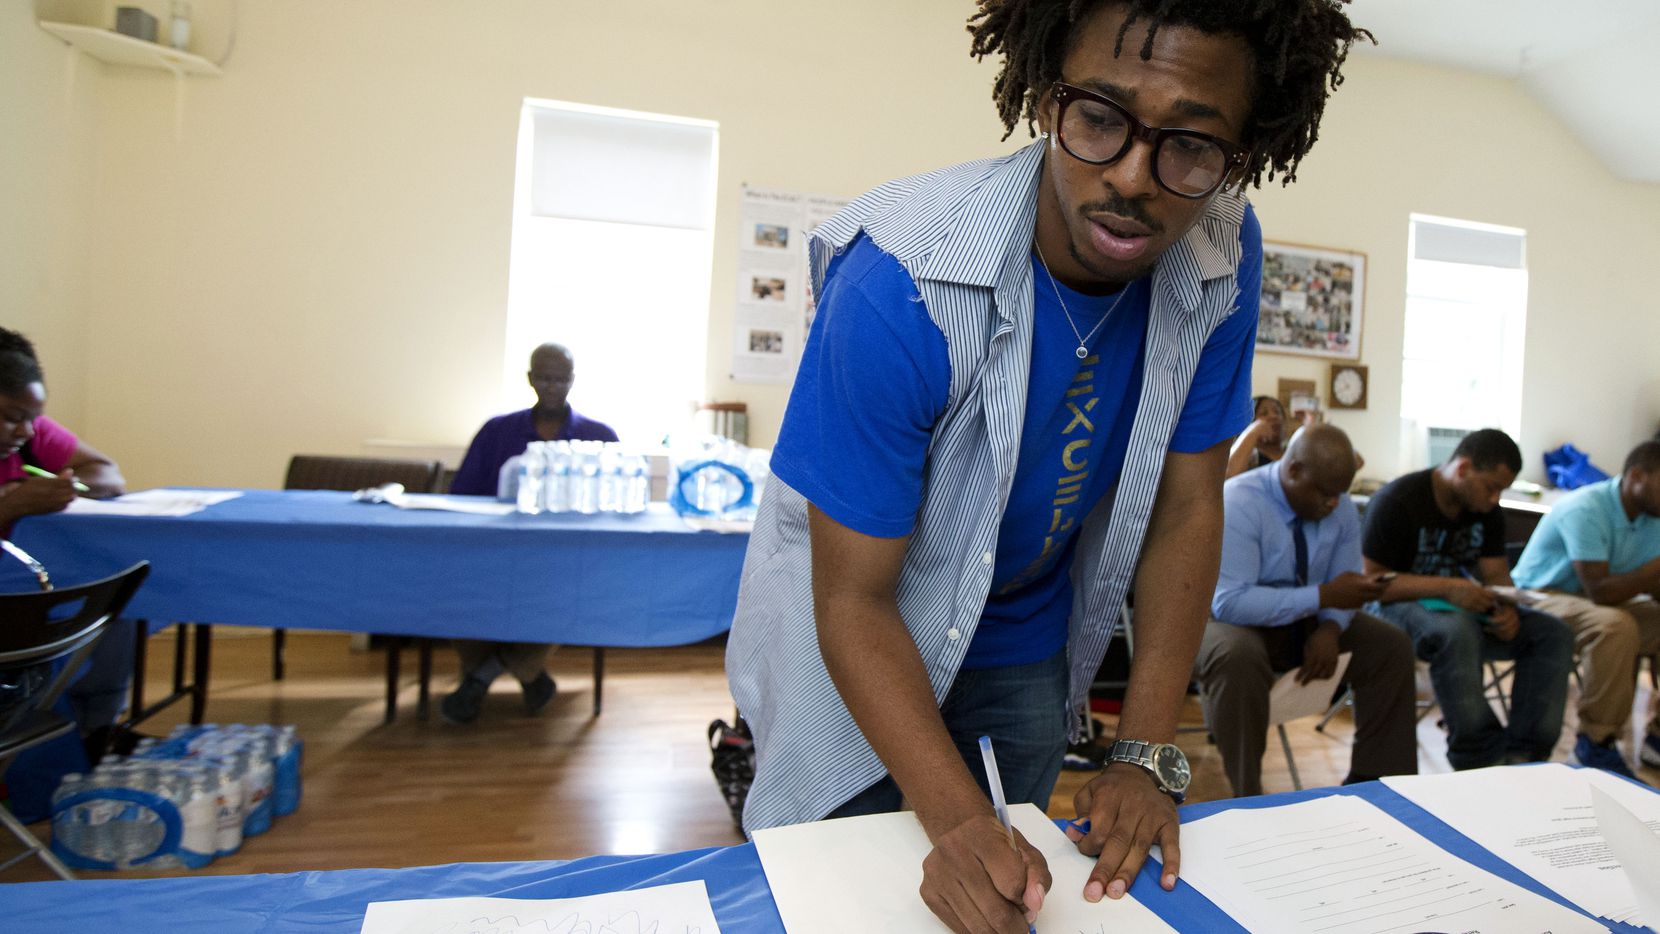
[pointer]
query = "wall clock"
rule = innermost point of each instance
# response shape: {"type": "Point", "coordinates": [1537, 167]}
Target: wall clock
{"type": "Point", "coordinates": [1348, 386]}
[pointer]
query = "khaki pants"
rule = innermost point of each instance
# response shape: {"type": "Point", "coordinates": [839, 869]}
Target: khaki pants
{"type": "Point", "coordinates": [1608, 641]}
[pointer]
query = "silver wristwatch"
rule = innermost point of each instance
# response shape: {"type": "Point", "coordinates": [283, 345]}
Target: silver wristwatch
{"type": "Point", "coordinates": [1165, 762]}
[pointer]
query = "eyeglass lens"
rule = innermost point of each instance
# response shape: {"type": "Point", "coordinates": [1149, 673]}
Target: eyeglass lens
{"type": "Point", "coordinates": [1096, 131]}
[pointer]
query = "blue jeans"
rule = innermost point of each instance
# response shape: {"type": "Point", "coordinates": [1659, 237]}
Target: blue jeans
{"type": "Point", "coordinates": [1022, 708]}
{"type": "Point", "coordinates": [1456, 647]}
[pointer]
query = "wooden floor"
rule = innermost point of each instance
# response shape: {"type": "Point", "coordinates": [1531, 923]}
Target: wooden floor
{"type": "Point", "coordinates": [559, 786]}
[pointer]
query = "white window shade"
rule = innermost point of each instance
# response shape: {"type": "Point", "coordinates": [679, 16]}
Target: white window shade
{"type": "Point", "coordinates": [1473, 245]}
{"type": "Point", "coordinates": [594, 165]}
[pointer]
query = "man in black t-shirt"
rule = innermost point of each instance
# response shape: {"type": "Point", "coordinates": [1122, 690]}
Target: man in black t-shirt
{"type": "Point", "coordinates": [1441, 532]}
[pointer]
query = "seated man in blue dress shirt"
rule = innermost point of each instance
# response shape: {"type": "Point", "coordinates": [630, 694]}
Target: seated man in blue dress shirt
{"type": "Point", "coordinates": [1287, 597]}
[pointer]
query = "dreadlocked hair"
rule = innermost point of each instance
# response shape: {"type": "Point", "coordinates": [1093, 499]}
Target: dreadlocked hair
{"type": "Point", "coordinates": [1299, 47]}
{"type": "Point", "coordinates": [18, 365]}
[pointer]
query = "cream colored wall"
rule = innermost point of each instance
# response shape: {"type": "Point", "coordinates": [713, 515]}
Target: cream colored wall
{"type": "Point", "coordinates": [48, 153]}
{"type": "Point", "coordinates": [322, 258]}
{"type": "Point", "coordinates": [1400, 138]}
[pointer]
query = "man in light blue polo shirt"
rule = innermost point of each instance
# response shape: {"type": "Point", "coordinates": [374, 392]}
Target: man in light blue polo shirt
{"type": "Point", "coordinates": [1287, 597]}
{"type": "Point", "coordinates": [1597, 554]}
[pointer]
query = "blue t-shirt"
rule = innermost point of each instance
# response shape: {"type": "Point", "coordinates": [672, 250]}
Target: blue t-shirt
{"type": "Point", "coordinates": [1589, 524]}
{"type": "Point", "coordinates": [874, 381]}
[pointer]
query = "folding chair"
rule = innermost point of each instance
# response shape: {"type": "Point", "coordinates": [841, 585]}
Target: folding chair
{"type": "Point", "coordinates": [317, 472]}
{"type": "Point", "coordinates": [44, 638]}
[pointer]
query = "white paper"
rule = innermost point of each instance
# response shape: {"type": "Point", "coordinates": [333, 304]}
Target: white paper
{"type": "Point", "coordinates": [1288, 700]}
{"type": "Point", "coordinates": [1340, 865]}
{"type": "Point", "coordinates": [161, 502]}
{"type": "Point", "coordinates": [1520, 595]}
{"type": "Point", "coordinates": [774, 306]}
{"type": "Point", "coordinates": [681, 908]}
{"type": "Point", "coordinates": [475, 505]}
{"type": "Point", "coordinates": [862, 874]}
{"type": "Point", "coordinates": [1539, 819]}
{"type": "Point", "coordinates": [1636, 846]}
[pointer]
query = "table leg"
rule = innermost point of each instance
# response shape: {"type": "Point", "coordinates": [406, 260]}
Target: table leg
{"type": "Point", "coordinates": [599, 677]}
{"type": "Point", "coordinates": [141, 635]}
{"type": "Point", "coordinates": [181, 639]}
{"type": "Point", "coordinates": [279, 654]}
{"type": "Point", "coordinates": [394, 649]}
{"type": "Point", "coordinates": [426, 679]}
{"type": "Point", "coordinates": [204, 656]}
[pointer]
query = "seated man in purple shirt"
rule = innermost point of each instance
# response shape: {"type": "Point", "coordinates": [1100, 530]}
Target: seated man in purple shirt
{"type": "Point", "coordinates": [552, 371]}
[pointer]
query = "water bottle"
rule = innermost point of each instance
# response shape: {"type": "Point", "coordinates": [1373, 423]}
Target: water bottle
{"type": "Point", "coordinates": [610, 478]}
{"type": "Point", "coordinates": [199, 813]}
{"type": "Point", "coordinates": [507, 480]}
{"type": "Point", "coordinates": [285, 798]}
{"type": "Point", "coordinates": [532, 467]}
{"type": "Point", "coordinates": [227, 805]}
{"type": "Point", "coordinates": [636, 484]}
{"type": "Point", "coordinates": [584, 478]}
{"type": "Point", "coordinates": [556, 489]}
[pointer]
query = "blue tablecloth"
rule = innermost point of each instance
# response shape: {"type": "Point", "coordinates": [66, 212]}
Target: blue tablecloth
{"type": "Point", "coordinates": [319, 560]}
{"type": "Point", "coordinates": [334, 902]}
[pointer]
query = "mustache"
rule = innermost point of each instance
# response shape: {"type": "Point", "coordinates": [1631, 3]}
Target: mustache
{"type": "Point", "coordinates": [1117, 204]}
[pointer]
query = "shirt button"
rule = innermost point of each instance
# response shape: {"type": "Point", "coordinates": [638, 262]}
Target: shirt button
{"type": "Point", "coordinates": [953, 634]}
{"type": "Point", "coordinates": [987, 558]}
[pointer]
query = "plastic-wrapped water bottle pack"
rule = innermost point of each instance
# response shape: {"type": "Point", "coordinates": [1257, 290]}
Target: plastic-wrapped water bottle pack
{"type": "Point", "coordinates": [180, 801]}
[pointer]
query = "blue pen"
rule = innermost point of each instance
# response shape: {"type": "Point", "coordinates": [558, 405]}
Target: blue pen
{"type": "Point", "coordinates": [994, 781]}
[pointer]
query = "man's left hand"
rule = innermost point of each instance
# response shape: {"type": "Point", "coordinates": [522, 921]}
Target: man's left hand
{"type": "Point", "coordinates": [1127, 814]}
{"type": "Point", "coordinates": [1320, 653]}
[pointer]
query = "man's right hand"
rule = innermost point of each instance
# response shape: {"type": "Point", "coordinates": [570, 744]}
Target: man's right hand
{"type": "Point", "coordinates": [33, 496]}
{"type": "Point", "coordinates": [975, 883]}
{"type": "Point", "coordinates": [1351, 591]}
{"type": "Point", "coordinates": [1471, 596]}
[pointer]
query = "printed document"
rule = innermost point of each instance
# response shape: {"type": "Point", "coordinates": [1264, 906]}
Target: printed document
{"type": "Point", "coordinates": [681, 907]}
{"type": "Point", "coordinates": [151, 503]}
{"type": "Point", "coordinates": [1340, 865]}
{"type": "Point", "coordinates": [1539, 819]}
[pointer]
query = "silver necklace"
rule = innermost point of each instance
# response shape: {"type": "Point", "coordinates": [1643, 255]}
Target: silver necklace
{"type": "Point", "coordinates": [1083, 339]}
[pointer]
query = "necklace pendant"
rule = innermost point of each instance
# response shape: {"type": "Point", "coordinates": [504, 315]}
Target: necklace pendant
{"type": "Point", "coordinates": [1082, 351]}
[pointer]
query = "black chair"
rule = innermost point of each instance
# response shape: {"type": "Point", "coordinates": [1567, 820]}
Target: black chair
{"type": "Point", "coordinates": [37, 630]}
{"type": "Point", "coordinates": [316, 472]}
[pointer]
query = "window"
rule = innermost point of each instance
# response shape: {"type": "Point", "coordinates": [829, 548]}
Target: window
{"type": "Point", "coordinates": [1466, 315]}
{"type": "Point", "coordinates": [613, 216]}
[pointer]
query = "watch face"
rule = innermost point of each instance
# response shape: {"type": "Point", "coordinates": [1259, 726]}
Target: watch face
{"type": "Point", "coordinates": [1171, 767]}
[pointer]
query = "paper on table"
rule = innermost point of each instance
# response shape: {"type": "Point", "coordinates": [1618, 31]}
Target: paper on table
{"type": "Point", "coordinates": [1636, 846]}
{"type": "Point", "coordinates": [1539, 819]}
{"type": "Point", "coordinates": [1288, 700]}
{"type": "Point", "coordinates": [475, 505]}
{"type": "Point", "coordinates": [862, 874]}
{"type": "Point", "coordinates": [1340, 865]}
{"type": "Point", "coordinates": [161, 502]}
{"type": "Point", "coordinates": [1520, 595]}
{"type": "Point", "coordinates": [681, 908]}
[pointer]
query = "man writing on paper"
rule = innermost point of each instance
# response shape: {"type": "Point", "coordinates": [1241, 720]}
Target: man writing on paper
{"type": "Point", "coordinates": [1016, 400]}
{"type": "Point", "coordinates": [1597, 552]}
{"type": "Point", "coordinates": [1442, 531]}
{"type": "Point", "coordinates": [1287, 597]}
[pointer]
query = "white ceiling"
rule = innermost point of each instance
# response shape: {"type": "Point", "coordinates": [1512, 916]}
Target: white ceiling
{"type": "Point", "coordinates": [1594, 64]}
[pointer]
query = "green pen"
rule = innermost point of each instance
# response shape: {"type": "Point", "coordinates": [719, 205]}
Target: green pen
{"type": "Point", "coordinates": [79, 486]}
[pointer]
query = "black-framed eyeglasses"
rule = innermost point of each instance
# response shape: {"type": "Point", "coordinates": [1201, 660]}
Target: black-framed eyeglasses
{"type": "Point", "coordinates": [1097, 129]}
